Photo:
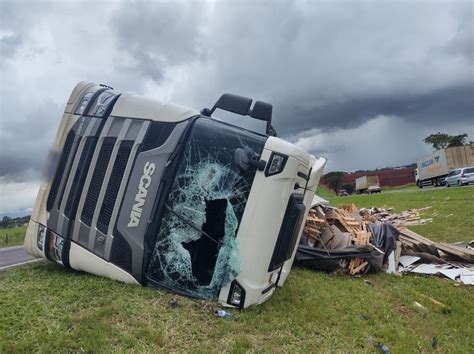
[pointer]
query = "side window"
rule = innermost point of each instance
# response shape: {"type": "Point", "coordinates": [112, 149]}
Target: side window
{"type": "Point", "coordinates": [454, 173]}
{"type": "Point", "coordinates": [469, 170]}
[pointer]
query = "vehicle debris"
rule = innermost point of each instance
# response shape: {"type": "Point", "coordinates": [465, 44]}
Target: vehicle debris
{"type": "Point", "coordinates": [419, 307]}
{"type": "Point", "coordinates": [356, 241]}
{"type": "Point", "coordinates": [222, 314]}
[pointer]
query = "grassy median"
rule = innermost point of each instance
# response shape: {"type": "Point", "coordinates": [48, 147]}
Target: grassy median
{"type": "Point", "coordinates": [12, 236]}
{"type": "Point", "coordinates": [49, 309]}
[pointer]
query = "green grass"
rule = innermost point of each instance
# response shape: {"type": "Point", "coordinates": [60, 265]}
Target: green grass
{"type": "Point", "coordinates": [49, 309]}
{"type": "Point", "coordinates": [403, 187]}
{"type": "Point", "coordinates": [46, 308]}
{"type": "Point", "coordinates": [451, 209]}
{"type": "Point", "coordinates": [324, 192]}
{"type": "Point", "coordinates": [12, 236]}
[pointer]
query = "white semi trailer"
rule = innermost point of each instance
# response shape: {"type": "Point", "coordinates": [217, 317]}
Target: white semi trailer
{"type": "Point", "coordinates": [165, 196]}
{"type": "Point", "coordinates": [433, 168]}
{"type": "Point", "coordinates": [367, 184]}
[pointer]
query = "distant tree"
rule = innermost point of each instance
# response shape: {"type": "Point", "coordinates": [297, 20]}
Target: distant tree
{"type": "Point", "coordinates": [333, 180]}
{"type": "Point", "coordinates": [458, 140]}
{"type": "Point", "coordinates": [442, 140]}
{"type": "Point", "coordinates": [5, 221]}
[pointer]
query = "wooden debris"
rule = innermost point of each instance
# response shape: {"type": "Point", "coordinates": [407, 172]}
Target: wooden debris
{"type": "Point", "coordinates": [405, 218]}
{"type": "Point", "coordinates": [338, 228]}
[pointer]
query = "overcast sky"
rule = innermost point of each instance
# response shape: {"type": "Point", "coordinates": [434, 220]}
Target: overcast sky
{"type": "Point", "coordinates": [359, 82]}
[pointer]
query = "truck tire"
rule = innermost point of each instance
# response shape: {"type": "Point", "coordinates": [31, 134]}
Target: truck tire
{"type": "Point", "coordinates": [419, 184]}
{"type": "Point", "coordinates": [447, 184]}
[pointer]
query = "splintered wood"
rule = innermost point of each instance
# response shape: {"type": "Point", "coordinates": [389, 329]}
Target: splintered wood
{"type": "Point", "coordinates": [332, 228]}
{"type": "Point", "coordinates": [436, 252]}
{"type": "Point", "coordinates": [313, 225]}
{"type": "Point", "coordinates": [405, 218]}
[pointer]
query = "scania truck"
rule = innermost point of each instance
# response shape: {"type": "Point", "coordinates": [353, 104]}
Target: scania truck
{"type": "Point", "coordinates": [161, 195]}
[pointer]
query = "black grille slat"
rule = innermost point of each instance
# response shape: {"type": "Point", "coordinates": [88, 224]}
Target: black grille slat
{"type": "Point", "coordinates": [97, 180]}
{"type": "Point", "coordinates": [157, 135]}
{"type": "Point", "coordinates": [114, 185]}
{"type": "Point", "coordinates": [79, 178]}
{"type": "Point", "coordinates": [60, 170]}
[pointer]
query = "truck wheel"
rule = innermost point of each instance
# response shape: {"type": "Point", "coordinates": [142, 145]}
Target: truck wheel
{"type": "Point", "coordinates": [447, 184]}
{"type": "Point", "coordinates": [419, 184]}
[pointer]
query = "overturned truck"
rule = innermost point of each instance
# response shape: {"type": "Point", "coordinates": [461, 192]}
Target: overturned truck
{"type": "Point", "coordinates": [165, 196]}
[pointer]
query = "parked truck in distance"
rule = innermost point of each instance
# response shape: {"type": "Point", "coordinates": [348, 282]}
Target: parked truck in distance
{"type": "Point", "coordinates": [433, 168]}
{"type": "Point", "coordinates": [368, 184]}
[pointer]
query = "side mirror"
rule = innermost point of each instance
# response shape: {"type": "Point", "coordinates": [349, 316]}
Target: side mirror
{"type": "Point", "coordinates": [232, 103]}
{"type": "Point", "coordinates": [244, 160]}
{"type": "Point", "coordinates": [263, 111]}
{"type": "Point", "coordinates": [241, 105]}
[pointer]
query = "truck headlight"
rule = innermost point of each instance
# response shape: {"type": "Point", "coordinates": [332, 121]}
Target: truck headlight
{"type": "Point", "coordinates": [276, 164]}
{"type": "Point", "coordinates": [85, 101]}
{"type": "Point", "coordinates": [41, 236]}
{"type": "Point", "coordinates": [236, 295]}
{"type": "Point", "coordinates": [54, 251]}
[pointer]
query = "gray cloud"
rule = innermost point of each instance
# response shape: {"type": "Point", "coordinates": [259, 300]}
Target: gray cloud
{"type": "Point", "coordinates": [331, 65]}
{"type": "Point", "coordinates": [158, 34]}
{"type": "Point", "coordinates": [25, 143]}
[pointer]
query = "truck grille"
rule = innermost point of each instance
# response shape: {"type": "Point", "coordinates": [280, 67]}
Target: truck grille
{"type": "Point", "coordinates": [97, 180]}
{"type": "Point", "coordinates": [114, 185]}
{"type": "Point", "coordinates": [79, 178]}
{"type": "Point", "coordinates": [92, 174]}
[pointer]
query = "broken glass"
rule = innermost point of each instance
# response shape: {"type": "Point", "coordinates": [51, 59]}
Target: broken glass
{"type": "Point", "coordinates": [196, 252]}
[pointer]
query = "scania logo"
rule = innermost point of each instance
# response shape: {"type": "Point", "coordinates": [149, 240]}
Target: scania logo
{"type": "Point", "coordinates": [145, 181]}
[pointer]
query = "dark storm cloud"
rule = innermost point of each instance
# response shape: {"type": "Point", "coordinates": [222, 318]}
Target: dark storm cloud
{"type": "Point", "coordinates": [330, 65]}
{"type": "Point", "coordinates": [453, 104]}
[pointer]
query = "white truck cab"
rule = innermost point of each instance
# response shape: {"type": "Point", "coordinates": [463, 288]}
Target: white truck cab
{"type": "Point", "coordinates": [165, 196]}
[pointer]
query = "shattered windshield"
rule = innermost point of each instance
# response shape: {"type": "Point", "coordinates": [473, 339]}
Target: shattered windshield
{"type": "Point", "coordinates": [196, 252]}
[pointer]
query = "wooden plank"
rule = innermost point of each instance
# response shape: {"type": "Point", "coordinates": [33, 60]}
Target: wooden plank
{"type": "Point", "coordinates": [360, 267]}
{"type": "Point", "coordinates": [463, 253]}
{"type": "Point", "coordinates": [408, 233]}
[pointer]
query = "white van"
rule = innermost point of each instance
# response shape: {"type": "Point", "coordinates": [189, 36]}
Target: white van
{"type": "Point", "coordinates": [165, 196]}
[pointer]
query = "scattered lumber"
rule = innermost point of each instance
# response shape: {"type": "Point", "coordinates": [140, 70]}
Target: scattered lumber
{"type": "Point", "coordinates": [418, 244]}
{"type": "Point", "coordinates": [334, 229]}
{"type": "Point", "coordinates": [405, 218]}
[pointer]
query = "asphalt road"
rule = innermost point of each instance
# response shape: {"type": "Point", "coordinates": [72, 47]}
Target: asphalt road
{"type": "Point", "coordinates": [14, 256]}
